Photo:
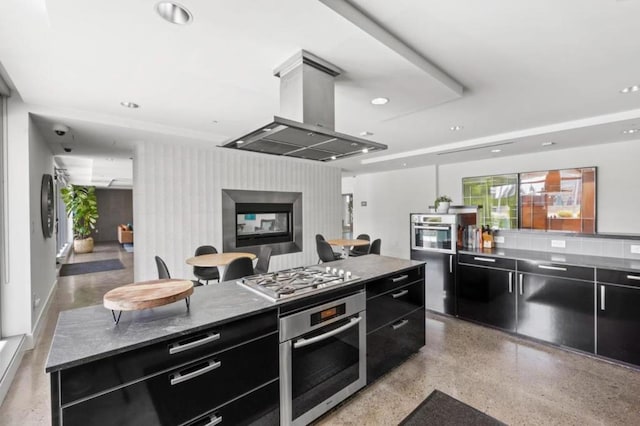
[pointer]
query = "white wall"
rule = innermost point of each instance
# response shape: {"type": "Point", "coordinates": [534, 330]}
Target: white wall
{"type": "Point", "coordinates": [177, 201]}
{"type": "Point", "coordinates": [390, 198]}
{"type": "Point", "coordinates": [43, 250]}
{"type": "Point", "coordinates": [30, 257]}
{"type": "Point", "coordinates": [617, 192]}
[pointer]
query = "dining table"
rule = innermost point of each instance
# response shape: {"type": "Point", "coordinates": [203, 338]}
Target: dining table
{"type": "Point", "coordinates": [346, 244]}
{"type": "Point", "coordinates": [219, 260]}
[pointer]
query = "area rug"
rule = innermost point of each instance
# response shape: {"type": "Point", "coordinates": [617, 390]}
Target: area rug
{"type": "Point", "coordinates": [90, 267]}
{"type": "Point", "coordinates": [128, 247]}
{"type": "Point", "coordinates": [441, 409]}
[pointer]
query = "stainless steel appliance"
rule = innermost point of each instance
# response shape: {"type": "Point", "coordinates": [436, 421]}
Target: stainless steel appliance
{"type": "Point", "coordinates": [322, 358]}
{"type": "Point", "coordinates": [290, 283]}
{"type": "Point", "coordinates": [434, 239]}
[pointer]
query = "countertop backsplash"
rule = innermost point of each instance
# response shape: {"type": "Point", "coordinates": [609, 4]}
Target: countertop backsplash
{"type": "Point", "coordinates": [615, 245]}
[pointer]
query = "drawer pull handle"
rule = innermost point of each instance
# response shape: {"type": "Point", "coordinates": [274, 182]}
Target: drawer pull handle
{"type": "Point", "coordinates": [179, 377]}
{"type": "Point", "coordinates": [300, 343]}
{"type": "Point", "coordinates": [553, 268]}
{"type": "Point", "coordinates": [485, 259]}
{"type": "Point", "coordinates": [400, 324]}
{"type": "Point", "coordinates": [178, 347]}
{"type": "Point", "coordinates": [400, 278]}
{"type": "Point", "coordinates": [602, 290]}
{"type": "Point", "coordinates": [633, 277]}
{"type": "Point", "coordinates": [400, 294]}
{"type": "Point", "coordinates": [214, 420]}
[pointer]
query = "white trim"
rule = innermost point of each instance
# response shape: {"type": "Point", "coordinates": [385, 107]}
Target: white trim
{"type": "Point", "coordinates": [16, 346]}
{"type": "Point", "coordinates": [31, 339]}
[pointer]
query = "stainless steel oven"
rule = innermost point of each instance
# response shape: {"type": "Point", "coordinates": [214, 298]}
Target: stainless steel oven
{"type": "Point", "coordinates": [434, 232]}
{"type": "Point", "coordinates": [322, 358]}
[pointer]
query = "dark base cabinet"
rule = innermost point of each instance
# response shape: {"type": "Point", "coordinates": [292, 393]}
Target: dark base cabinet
{"type": "Point", "coordinates": [391, 345]}
{"type": "Point", "coordinates": [557, 310]}
{"type": "Point", "coordinates": [395, 320]}
{"type": "Point", "coordinates": [440, 280]}
{"type": "Point", "coordinates": [618, 312]}
{"type": "Point", "coordinates": [484, 294]}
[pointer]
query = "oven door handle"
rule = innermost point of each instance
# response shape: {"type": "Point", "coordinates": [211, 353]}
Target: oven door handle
{"type": "Point", "coordinates": [434, 228]}
{"type": "Point", "coordinates": [300, 343]}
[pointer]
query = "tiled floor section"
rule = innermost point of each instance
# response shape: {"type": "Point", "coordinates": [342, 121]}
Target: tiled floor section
{"type": "Point", "coordinates": [516, 381]}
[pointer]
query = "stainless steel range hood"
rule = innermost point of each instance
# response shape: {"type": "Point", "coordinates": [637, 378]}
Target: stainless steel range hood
{"type": "Point", "coordinates": [307, 102]}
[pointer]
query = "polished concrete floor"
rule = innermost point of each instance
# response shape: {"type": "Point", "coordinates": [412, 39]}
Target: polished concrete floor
{"type": "Point", "coordinates": [516, 381]}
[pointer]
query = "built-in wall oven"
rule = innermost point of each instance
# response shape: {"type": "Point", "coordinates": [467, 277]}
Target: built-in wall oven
{"type": "Point", "coordinates": [322, 358]}
{"type": "Point", "coordinates": [434, 232]}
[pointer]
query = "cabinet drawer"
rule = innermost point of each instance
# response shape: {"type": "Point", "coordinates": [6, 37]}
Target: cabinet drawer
{"type": "Point", "coordinates": [156, 400]}
{"type": "Point", "coordinates": [391, 345]}
{"type": "Point", "coordinates": [619, 277]}
{"type": "Point", "coordinates": [395, 304]}
{"type": "Point", "coordinates": [556, 270]}
{"type": "Point", "coordinates": [94, 377]}
{"type": "Point", "coordinates": [394, 281]}
{"type": "Point", "coordinates": [260, 407]}
{"type": "Point", "coordinates": [490, 261]}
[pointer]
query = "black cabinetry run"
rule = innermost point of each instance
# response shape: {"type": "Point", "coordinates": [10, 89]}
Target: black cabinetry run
{"type": "Point", "coordinates": [618, 315]}
{"type": "Point", "coordinates": [440, 280]}
{"type": "Point", "coordinates": [485, 290]}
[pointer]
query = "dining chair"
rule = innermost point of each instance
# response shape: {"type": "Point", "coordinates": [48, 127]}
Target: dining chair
{"type": "Point", "coordinates": [264, 257]}
{"type": "Point", "coordinates": [361, 250]}
{"type": "Point", "coordinates": [325, 252]}
{"type": "Point", "coordinates": [375, 247]}
{"type": "Point", "coordinates": [206, 273]}
{"type": "Point", "coordinates": [163, 271]}
{"type": "Point", "coordinates": [238, 268]}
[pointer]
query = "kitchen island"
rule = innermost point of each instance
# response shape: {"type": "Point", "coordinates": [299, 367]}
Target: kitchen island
{"type": "Point", "coordinates": [218, 361]}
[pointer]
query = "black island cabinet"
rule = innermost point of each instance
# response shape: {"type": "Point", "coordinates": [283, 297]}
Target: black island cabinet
{"type": "Point", "coordinates": [224, 375]}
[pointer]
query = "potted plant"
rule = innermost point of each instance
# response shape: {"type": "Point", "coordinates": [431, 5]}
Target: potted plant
{"type": "Point", "coordinates": [82, 207]}
{"type": "Point", "coordinates": [442, 204]}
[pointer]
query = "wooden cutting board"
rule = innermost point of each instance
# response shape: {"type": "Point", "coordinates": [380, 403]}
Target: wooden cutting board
{"type": "Point", "coordinates": [147, 294]}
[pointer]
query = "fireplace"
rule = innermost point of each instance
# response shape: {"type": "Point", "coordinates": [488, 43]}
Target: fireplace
{"type": "Point", "coordinates": [251, 219]}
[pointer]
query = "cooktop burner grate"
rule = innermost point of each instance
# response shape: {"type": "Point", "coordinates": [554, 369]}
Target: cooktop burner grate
{"type": "Point", "coordinates": [292, 282]}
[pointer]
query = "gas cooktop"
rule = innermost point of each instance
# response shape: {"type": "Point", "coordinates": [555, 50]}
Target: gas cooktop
{"type": "Point", "coordinates": [277, 286]}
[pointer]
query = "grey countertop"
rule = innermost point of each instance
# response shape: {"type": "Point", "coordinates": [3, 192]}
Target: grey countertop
{"type": "Point", "coordinates": [86, 334]}
{"type": "Point", "coordinates": [568, 259]}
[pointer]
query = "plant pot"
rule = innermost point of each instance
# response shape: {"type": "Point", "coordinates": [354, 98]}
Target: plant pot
{"type": "Point", "coordinates": [443, 207]}
{"type": "Point", "coordinates": [83, 246]}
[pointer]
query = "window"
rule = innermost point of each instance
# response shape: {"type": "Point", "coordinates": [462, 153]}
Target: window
{"type": "Point", "coordinates": [498, 196]}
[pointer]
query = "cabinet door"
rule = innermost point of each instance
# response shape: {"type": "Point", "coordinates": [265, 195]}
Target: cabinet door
{"type": "Point", "coordinates": [486, 295]}
{"type": "Point", "coordinates": [439, 282]}
{"type": "Point", "coordinates": [391, 345]}
{"type": "Point", "coordinates": [619, 323]}
{"type": "Point", "coordinates": [557, 310]}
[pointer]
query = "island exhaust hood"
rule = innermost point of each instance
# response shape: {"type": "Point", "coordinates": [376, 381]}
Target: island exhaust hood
{"type": "Point", "coordinates": [307, 100]}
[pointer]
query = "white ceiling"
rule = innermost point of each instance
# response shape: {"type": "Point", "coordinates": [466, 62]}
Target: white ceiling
{"type": "Point", "coordinates": [532, 71]}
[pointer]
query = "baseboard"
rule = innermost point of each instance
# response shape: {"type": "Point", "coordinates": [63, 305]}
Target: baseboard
{"type": "Point", "coordinates": [32, 338]}
{"type": "Point", "coordinates": [10, 359]}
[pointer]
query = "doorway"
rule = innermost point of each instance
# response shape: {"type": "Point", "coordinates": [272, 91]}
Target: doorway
{"type": "Point", "coordinates": [347, 216]}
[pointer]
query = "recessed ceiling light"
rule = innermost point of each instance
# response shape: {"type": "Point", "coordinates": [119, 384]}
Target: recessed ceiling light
{"type": "Point", "coordinates": [548, 143]}
{"type": "Point", "coordinates": [404, 164]}
{"type": "Point", "coordinates": [127, 104]}
{"type": "Point", "coordinates": [630, 89]}
{"type": "Point", "coordinates": [366, 133]}
{"type": "Point", "coordinates": [365, 150]}
{"type": "Point", "coordinates": [630, 131]}
{"type": "Point", "coordinates": [456, 128]}
{"type": "Point", "coordinates": [496, 150]}
{"type": "Point", "coordinates": [333, 157]}
{"type": "Point", "coordinates": [174, 13]}
{"type": "Point", "coordinates": [379, 101]}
